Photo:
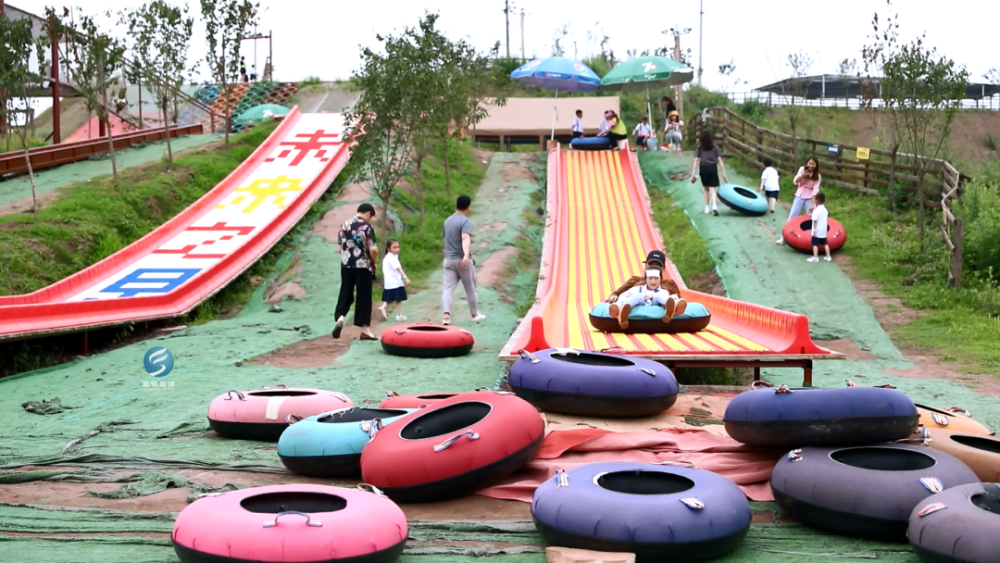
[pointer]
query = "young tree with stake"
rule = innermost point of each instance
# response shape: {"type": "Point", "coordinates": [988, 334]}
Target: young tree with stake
{"type": "Point", "coordinates": [160, 33]}
{"type": "Point", "coordinates": [227, 23]}
{"type": "Point", "coordinates": [15, 79]}
{"type": "Point", "coordinates": [93, 60]}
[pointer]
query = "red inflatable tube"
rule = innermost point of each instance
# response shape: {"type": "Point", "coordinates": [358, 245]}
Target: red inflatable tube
{"type": "Point", "coordinates": [453, 447]}
{"type": "Point", "coordinates": [427, 341]}
{"type": "Point", "coordinates": [798, 234]}
{"type": "Point", "coordinates": [287, 523]}
{"type": "Point", "coordinates": [397, 401]}
{"type": "Point", "coordinates": [262, 414]}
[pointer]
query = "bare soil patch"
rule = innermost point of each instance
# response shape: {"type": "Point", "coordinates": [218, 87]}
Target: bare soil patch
{"type": "Point", "coordinates": [24, 205]}
{"type": "Point", "coordinates": [499, 226]}
{"type": "Point", "coordinates": [355, 192]}
{"type": "Point", "coordinates": [319, 352]}
{"type": "Point", "coordinates": [847, 347]}
{"type": "Point", "coordinates": [291, 289]}
{"type": "Point", "coordinates": [707, 282]}
{"type": "Point", "coordinates": [493, 269]}
{"type": "Point", "coordinates": [482, 157]}
{"type": "Point", "coordinates": [511, 171]}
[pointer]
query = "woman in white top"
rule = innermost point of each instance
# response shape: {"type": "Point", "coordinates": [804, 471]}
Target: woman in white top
{"type": "Point", "coordinates": [393, 279]}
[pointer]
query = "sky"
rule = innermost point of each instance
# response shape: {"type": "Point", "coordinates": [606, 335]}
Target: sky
{"type": "Point", "coordinates": [322, 38]}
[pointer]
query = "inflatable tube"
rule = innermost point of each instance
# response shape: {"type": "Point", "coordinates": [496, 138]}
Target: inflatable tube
{"type": "Point", "coordinates": [798, 234]}
{"type": "Point", "coordinates": [742, 199]}
{"type": "Point", "coordinates": [660, 513]}
{"type": "Point", "coordinates": [791, 418]}
{"type": "Point", "coordinates": [453, 447]}
{"type": "Point", "coordinates": [648, 319]}
{"type": "Point", "coordinates": [427, 341]}
{"type": "Point", "coordinates": [952, 419]}
{"type": "Point", "coordinates": [396, 401]}
{"type": "Point", "coordinates": [330, 444]}
{"type": "Point", "coordinates": [980, 453]}
{"type": "Point", "coordinates": [262, 414]}
{"type": "Point", "coordinates": [592, 383]}
{"type": "Point", "coordinates": [590, 144]}
{"type": "Point", "coordinates": [866, 491]}
{"type": "Point", "coordinates": [284, 523]}
{"type": "Point", "coordinates": [958, 525]}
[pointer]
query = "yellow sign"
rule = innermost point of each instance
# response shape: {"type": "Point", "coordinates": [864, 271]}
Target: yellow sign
{"type": "Point", "coordinates": [863, 153]}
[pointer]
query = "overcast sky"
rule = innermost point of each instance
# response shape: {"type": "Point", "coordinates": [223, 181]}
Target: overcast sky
{"type": "Point", "coordinates": [322, 37]}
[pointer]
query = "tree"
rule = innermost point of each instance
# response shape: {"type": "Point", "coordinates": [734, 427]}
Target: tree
{"type": "Point", "coordinates": [847, 70]}
{"type": "Point", "coordinates": [160, 35]}
{"type": "Point", "coordinates": [398, 91]}
{"type": "Point", "coordinates": [15, 78]}
{"type": "Point", "coordinates": [993, 76]}
{"type": "Point", "coordinates": [728, 70]}
{"type": "Point", "coordinates": [921, 91]}
{"type": "Point", "coordinates": [94, 61]}
{"type": "Point", "coordinates": [227, 23]}
{"type": "Point", "coordinates": [794, 88]}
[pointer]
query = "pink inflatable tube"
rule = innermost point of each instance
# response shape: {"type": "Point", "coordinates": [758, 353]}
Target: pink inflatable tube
{"type": "Point", "coordinates": [263, 414]}
{"type": "Point", "coordinates": [291, 524]}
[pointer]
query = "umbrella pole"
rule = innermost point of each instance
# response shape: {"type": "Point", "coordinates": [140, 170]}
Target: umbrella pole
{"type": "Point", "coordinates": [649, 112]}
{"type": "Point", "coordinates": [555, 104]}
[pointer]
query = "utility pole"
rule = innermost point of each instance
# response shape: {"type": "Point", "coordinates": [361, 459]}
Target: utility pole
{"type": "Point", "coordinates": [701, 37]}
{"type": "Point", "coordinates": [506, 17]}
{"type": "Point", "coordinates": [522, 34]}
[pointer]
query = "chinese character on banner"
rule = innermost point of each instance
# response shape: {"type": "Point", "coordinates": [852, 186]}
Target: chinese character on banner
{"type": "Point", "coordinates": [170, 384]}
{"type": "Point", "coordinates": [145, 384]}
{"type": "Point", "coordinates": [151, 281]}
{"type": "Point", "coordinates": [305, 143]}
{"type": "Point", "coordinates": [258, 191]}
{"type": "Point", "coordinates": [209, 240]}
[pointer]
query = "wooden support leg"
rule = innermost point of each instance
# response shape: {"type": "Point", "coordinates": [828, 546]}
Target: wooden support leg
{"type": "Point", "coordinates": [756, 373]}
{"type": "Point", "coordinates": [86, 351]}
{"type": "Point", "coordinates": [808, 374]}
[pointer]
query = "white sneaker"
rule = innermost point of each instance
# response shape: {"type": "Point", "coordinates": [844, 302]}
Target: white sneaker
{"type": "Point", "coordinates": [781, 240]}
{"type": "Point", "coordinates": [813, 259]}
{"type": "Point", "coordinates": [446, 321]}
{"type": "Point", "coordinates": [706, 210]}
{"type": "Point", "coordinates": [827, 259]}
{"type": "Point", "coordinates": [400, 318]}
{"type": "Point", "coordinates": [479, 317]}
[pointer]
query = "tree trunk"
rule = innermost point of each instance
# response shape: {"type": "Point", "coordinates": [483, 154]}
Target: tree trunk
{"type": "Point", "coordinates": [892, 180]}
{"type": "Point", "coordinates": [447, 168]}
{"type": "Point", "coordinates": [31, 176]}
{"type": "Point", "coordinates": [166, 131]}
{"type": "Point", "coordinates": [920, 211]}
{"type": "Point", "coordinates": [105, 116]}
{"type": "Point", "coordinates": [420, 184]}
{"type": "Point", "coordinates": [386, 195]}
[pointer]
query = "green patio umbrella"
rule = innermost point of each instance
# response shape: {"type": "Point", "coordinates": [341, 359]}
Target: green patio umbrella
{"type": "Point", "coordinates": [256, 113]}
{"type": "Point", "coordinates": [638, 74]}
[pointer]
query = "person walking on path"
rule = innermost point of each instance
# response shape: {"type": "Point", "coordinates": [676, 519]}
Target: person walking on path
{"type": "Point", "coordinates": [707, 162]}
{"type": "Point", "coordinates": [769, 183]}
{"type": "Point", "coordinates": [358, 256]}
{"type": "Point", "coordinates": [394, 281]}
{"type": "Point", "coordinates": [458, 263]}
{"type": "Point", "coordinates": [808, 181]}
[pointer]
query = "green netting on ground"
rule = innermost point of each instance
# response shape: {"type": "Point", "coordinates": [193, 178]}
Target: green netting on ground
{"type": "Point", "coordinates": [116, 416]}
{"type": "Point", "coordinates": [755, 269]}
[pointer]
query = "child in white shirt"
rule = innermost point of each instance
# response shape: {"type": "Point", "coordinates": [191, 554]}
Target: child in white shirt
{"type": "Point", "coordinates": [820, 225]}
{"type": "Point", "coordinates": [649, 293]}
{"type": "Point", "coordinates": [578, 124]}
{"type": "Point", "coordinates": [769, 183]}
{"type": "Point", "coordinates": [642, 133]}
{"type": "Point", "coordinates": [393, 278]}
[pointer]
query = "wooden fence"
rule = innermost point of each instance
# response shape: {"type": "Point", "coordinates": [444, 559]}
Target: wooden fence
{"type": "Point", "coordinates": [878, 172]}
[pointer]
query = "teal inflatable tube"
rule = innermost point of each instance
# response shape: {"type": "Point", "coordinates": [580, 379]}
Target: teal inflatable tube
{"type": "Point", "coordinates": [330, 444]}
{"type": "Point", "coordinates": [743, 199]}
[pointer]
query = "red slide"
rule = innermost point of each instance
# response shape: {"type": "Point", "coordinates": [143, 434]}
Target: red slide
{"type": "Point", "coordinates": [598, 232]}
{"type": "Point", "coordinates": [195, 254]}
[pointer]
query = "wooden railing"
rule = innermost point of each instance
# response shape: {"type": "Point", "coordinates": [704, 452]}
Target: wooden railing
{"type": "Point", "coordinates": [882, 172]}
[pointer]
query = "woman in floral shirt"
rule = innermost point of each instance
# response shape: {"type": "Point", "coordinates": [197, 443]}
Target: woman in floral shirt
{"type": "Point", "coordinates": [358, 256]}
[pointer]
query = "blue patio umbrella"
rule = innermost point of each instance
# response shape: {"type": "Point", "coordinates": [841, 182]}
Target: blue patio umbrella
{"type": "Point", "coordinates": [558, 74]}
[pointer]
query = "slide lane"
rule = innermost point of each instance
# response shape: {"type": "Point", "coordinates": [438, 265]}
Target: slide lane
{"type": "Point", "coordinates": [599, 230]}
{"type": "Point", "coordinates": [196, 253]}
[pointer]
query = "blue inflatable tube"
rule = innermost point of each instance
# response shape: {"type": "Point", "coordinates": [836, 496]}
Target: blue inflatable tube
{"type": "Point", "coordinates": [743, 199]}
{"type": "Point", "coordinates": [593, 383]}
{"type": "Point", "coordinates": [793, 418]}
{"type": "Point", "coordinates": [590, 144]}
{"type": "Point", "coordinates": [330, 444]}
{"type": "Point", "coordinates": [662, 514]}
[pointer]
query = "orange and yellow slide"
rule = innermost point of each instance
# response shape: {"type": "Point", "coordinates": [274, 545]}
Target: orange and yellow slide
{"type": "Point", "coordinates": [597, 234]}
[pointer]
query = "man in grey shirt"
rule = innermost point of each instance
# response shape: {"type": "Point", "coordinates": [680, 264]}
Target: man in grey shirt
{"type": "Point", "coordinates": [458, 264]}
